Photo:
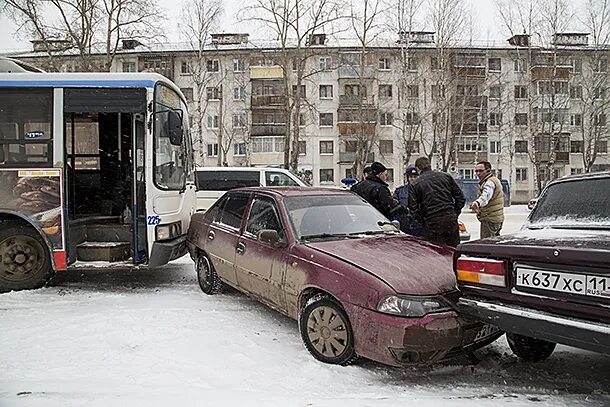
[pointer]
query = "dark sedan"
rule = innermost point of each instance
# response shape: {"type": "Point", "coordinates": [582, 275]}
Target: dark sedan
{"type": "Point", "coordinates": [356, 285]}
{"type": "Point", "coordinates": [550, 282]}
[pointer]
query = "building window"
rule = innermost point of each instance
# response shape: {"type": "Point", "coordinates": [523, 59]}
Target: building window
{"type": "Point", "coordinates": [239, 65]}
{"type": "Point", "coordinates": [326, 63]}
{"type": "Point", "coordinates": [576, 146]}
{"type": "Point", "coordinates": [601, 147]}
{"type": "Point", "coordinates": [600, 93]}
{"type": "Point", "coordinates": [239, 149]}
{"type": "Point", "coordinates": [302, 90]}
{"type": "Point", "coordinates": [600, 120]}
{"type": "Point", "coordinates": [213, 150]}
{"type": "Point", "coordinates": [466, 173]}
{"type": "Point", "coordinates": [212, 121]}
{"type": "Point", "coordinates": [239, 93]}
{"type": "Point", "coordinates": [412, 91]}
{"type": "Point", "coordinates": [327, 175]}
{"type": "Point", "coordinates": [575, 171]}
{"type": "Point", "coordinates": [576, 119]}
{"type": "Point", "coordinates": [389, 175]}
{"type": "Point", "coordinates": [411, 119]}
{"type": "Point", "coordinates": [239, 120]}
{"type": "Point", "coordinates": [385, 119]}
{"type": "Point", "coordinates": [326, 91]}
{"type": "Point", "coordinates": [495, 92]}
{"type": "Point", "coordinates": [188, 93]}
{"type": "Point", "coordinates": [495, 119]}
{"type": "Point", "coordinates": [385, 91]}
{"type": "Point", "coordinates": [471, 144]}
{"type": "Point", "coordinates": [576, 92]}
{"type": "Point", "coordinates": [521, 146]}
{"type": "Point", "coordinates": [386, 146]}
{"type": "Point", "coordinates": [131, 66]}
{"type": "Point", "coordinates": [520, 119]}
{"type": "Point", "coordinates": [434, 64]}
{"type": "Point", "coordinates": [576, 65]}
{"type": "Point", "coordinates": [302, 147]}
{"type": "Point", "coordinates": [384, 64]}
{"type": "Point", "coordinates": [213, 65]}
{"type": "Point", "coordinates": [519, 65]}
{"type": "Point", "coordinates": [438, 91]}
{"type": "Point", "coordinates": [185, 68]}
{"type": "Point", "coordinates": [600, 65]}
{"type": "Point", "coordinates": [212, 93]}
{"type": "Point", "coordinates": [326, 119]}
{"type": "Point", "coordinates": [412, 64]}
{"type": "Point", "coordinates": [494, 64]}
{"type": "Point", "coordinates": [521, 174]}
{"type": "Point", "coordinates": [302, 120]}
{"type": "Point", "coordinates": [495, 147]}
{"type": "Point", "coordinates": [326, 147]}
{"type": "Point", "coordinates": [268, 144]}
{"type": "Point", "coordinates": [520, 92]}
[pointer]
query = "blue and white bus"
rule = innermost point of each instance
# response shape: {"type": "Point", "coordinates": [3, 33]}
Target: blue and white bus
{"type": "Point", "coordinates": [95, 169]}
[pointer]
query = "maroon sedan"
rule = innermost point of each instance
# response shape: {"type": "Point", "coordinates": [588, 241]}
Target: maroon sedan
{"type": "Point", "coordinates": [357, 286]}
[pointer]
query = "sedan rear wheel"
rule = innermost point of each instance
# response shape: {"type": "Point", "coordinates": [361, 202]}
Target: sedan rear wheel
{"type": "Point", "coordinates": [206, 275]}
{"type": "Point", "coordinates": [326, 331]}
{"type": "Point", "coordinates": [530, 349]}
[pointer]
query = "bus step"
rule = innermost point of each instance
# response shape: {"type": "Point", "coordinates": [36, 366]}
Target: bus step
{"type": "Point", "coordinates": [109, 233]}
{"type": "Point", "coordinates": [103, 251]}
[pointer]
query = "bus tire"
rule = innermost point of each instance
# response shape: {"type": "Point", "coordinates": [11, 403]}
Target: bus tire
{"type": "Point", "coordinates": [25, 261]}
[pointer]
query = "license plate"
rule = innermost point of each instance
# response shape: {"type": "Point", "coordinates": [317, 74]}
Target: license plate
{"type": "Point", "coordinates": [486, 331]}
{"type": "Point", "coordinates": [570, 283]}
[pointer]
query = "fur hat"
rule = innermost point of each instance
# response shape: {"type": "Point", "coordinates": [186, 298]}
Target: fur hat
{"type": "Point", "coordinates": [377, 168]}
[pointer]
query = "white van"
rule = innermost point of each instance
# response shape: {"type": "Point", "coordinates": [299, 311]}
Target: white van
{"type": "Point", "coordinates": [213, 182]}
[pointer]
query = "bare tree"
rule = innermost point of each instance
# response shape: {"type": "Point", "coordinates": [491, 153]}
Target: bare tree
{"type": "Point", "coordinates": [295, 24]}
{"type": "Point", "coordinates": [90, 26]}
{"type": "Point", "coordinates": [201, 17]}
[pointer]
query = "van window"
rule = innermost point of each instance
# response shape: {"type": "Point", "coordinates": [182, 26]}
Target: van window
{"type": "Point", "coordinates": [274, 178]}
{"type": "Point", "coordinates": [225, 180]}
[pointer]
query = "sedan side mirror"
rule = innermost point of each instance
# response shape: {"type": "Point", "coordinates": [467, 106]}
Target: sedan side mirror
{"type": "Point", "coordinates": [269, 236]}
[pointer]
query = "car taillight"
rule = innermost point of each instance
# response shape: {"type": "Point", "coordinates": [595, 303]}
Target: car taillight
{"type": "Point", "coordinates": [481, 271]}
{"type": "Point", "coordinates": [462, 227]}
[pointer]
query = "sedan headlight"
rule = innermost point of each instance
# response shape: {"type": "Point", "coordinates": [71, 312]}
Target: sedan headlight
{"type": "Point", "coordinates": [412, 306]}
{"type": "Point", "coordinates": [169, 231]}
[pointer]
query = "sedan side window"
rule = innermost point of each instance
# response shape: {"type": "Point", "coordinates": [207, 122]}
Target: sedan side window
{"type": "Point", "coordinates": [264, 215]}
{"type": "Point", "coordinates": [234, 208]}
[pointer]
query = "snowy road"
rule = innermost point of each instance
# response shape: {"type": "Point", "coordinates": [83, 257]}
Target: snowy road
{"type": "Point", "coordinates": [151, 338]}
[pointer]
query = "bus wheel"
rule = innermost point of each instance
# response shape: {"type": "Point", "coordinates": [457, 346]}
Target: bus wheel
{"type": "Point", "coordinates": [25, 262]}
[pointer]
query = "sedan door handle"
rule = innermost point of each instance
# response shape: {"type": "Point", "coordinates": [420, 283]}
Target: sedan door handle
{"type": "Point", "coordinates": [211, 235]}
{"type": "Point", "coordinates": [241, 248]}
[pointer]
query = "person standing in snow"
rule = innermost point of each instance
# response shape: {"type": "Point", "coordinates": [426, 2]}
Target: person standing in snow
{"type": "Point", "coordinates": [490, 203]}
{"type": "Point", "coordinates": [376, 191]}
{"type": "Point", "coordinates": [408, 224]}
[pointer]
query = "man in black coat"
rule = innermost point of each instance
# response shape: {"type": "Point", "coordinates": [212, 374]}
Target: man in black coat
{"type": "Point", "coordinates": [376, 191]}
{"type": "Point", "coordinates": [436, 201]}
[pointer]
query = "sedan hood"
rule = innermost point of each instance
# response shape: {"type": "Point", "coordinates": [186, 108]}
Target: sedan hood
{"type": "Point", "coordinates": [407, 264]}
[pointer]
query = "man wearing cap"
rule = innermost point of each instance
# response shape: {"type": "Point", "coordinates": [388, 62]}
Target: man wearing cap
{"type": "Point", "coordinates": [375, 190]}
{"type": "Point", "coordinates": [490, 203]}
{"type": "Point", "coordinates": [408, 224]}
{"type": "Point", "coordinates": [436, 201]}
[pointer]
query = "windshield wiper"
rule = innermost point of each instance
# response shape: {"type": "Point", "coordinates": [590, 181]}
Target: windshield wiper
{"type": "Point", "coordinates": [323, 236]}
{"type": "Point", "coordinates": [368, 232]}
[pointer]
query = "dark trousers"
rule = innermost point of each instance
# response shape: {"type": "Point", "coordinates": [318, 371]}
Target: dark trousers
{"type": "Point", "coordinates": [443, 229]}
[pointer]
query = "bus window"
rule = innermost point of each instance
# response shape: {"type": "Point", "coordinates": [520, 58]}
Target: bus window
{"type": "Point", "coordinates": [170, 161]}
{"type": "Point", "coordinates": [26, 127]}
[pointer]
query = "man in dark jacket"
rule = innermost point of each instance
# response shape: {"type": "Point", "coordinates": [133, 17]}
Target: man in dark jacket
{"type": "Point", "coordinates": [408, 223]}
{"type": "Point", "coordinates": [436, 201]}
{"type": "Point", "coordinates": [375, 190]}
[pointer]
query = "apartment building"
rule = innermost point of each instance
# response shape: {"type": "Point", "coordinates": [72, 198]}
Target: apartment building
{"type": "Point", "coordinates": [536, 113]}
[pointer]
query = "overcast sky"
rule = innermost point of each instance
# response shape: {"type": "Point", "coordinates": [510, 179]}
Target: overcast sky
{"type": "Point", "coordinates": [484, 17]}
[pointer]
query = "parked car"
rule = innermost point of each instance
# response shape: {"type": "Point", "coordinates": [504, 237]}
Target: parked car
{"type": "Point", "coordinates": [212, 182]}
{"type": "Point", "coordinates": [550, 282]}
{"type": "Point", "coordinates": [464, 234]}
{"type": "Point", "coordinates": [325, 257]}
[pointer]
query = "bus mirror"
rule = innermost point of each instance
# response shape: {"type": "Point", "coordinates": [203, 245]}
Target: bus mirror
{"type": "Point", "coordinates": [174, 128]}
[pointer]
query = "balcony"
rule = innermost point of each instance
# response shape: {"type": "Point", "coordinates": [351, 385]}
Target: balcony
{"type": "Point", "coordinates": [266, 72]}
{"type": "Point", "coordinates": [471, 157]}
{"type": "Point", "coordinates": [548, 72]}
{"type": "Point", "coordinates": [356, 100]}
{"type": "Point", "coordinates": [559, 157]}
{"type": "Point", "coordinates": [348, 157]}
{"type": "Point", "coordinates": [470, 128]}
{"type": "Point", "coordinates": [275, 129]}
{"type": "Point", "coordinates": [470, 102]}
{"type": "Point", "coordinates": [267, 100]}
{"type": "Point", "coordinates": [350, 128]}
{"type": "Point", "coordinates": [356, 72]}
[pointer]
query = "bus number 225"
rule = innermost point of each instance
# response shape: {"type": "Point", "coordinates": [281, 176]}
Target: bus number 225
{"type": "Point", "coordinates": [153, 220]}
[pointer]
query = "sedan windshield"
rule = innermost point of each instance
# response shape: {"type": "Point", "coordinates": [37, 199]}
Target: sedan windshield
{"type": "Point", "coordinates": [328, 216]}
{"type": "Point", "coordinates": [581, 204]}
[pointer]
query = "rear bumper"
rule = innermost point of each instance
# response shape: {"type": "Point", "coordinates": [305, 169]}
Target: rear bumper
{"type": "Point", "coordinates": [400, 341]}
{"type": "Point", "coordinates": [167, 250]}
{"type": "Point", "coordinates": [537, 324]}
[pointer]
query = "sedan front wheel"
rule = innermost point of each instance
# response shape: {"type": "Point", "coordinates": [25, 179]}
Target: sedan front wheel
{"type": "Point", "coordinates": [326, 331]}
{"type": "Point", "coordinates": [209, 282]}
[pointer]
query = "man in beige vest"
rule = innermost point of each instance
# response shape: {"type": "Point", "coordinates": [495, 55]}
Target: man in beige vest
{"type": "Point", "coordinates": [490, 203]}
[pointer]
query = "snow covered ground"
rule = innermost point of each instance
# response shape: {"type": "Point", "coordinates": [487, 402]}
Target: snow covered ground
{"type": "Point", "coordinates": [151, 338]}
